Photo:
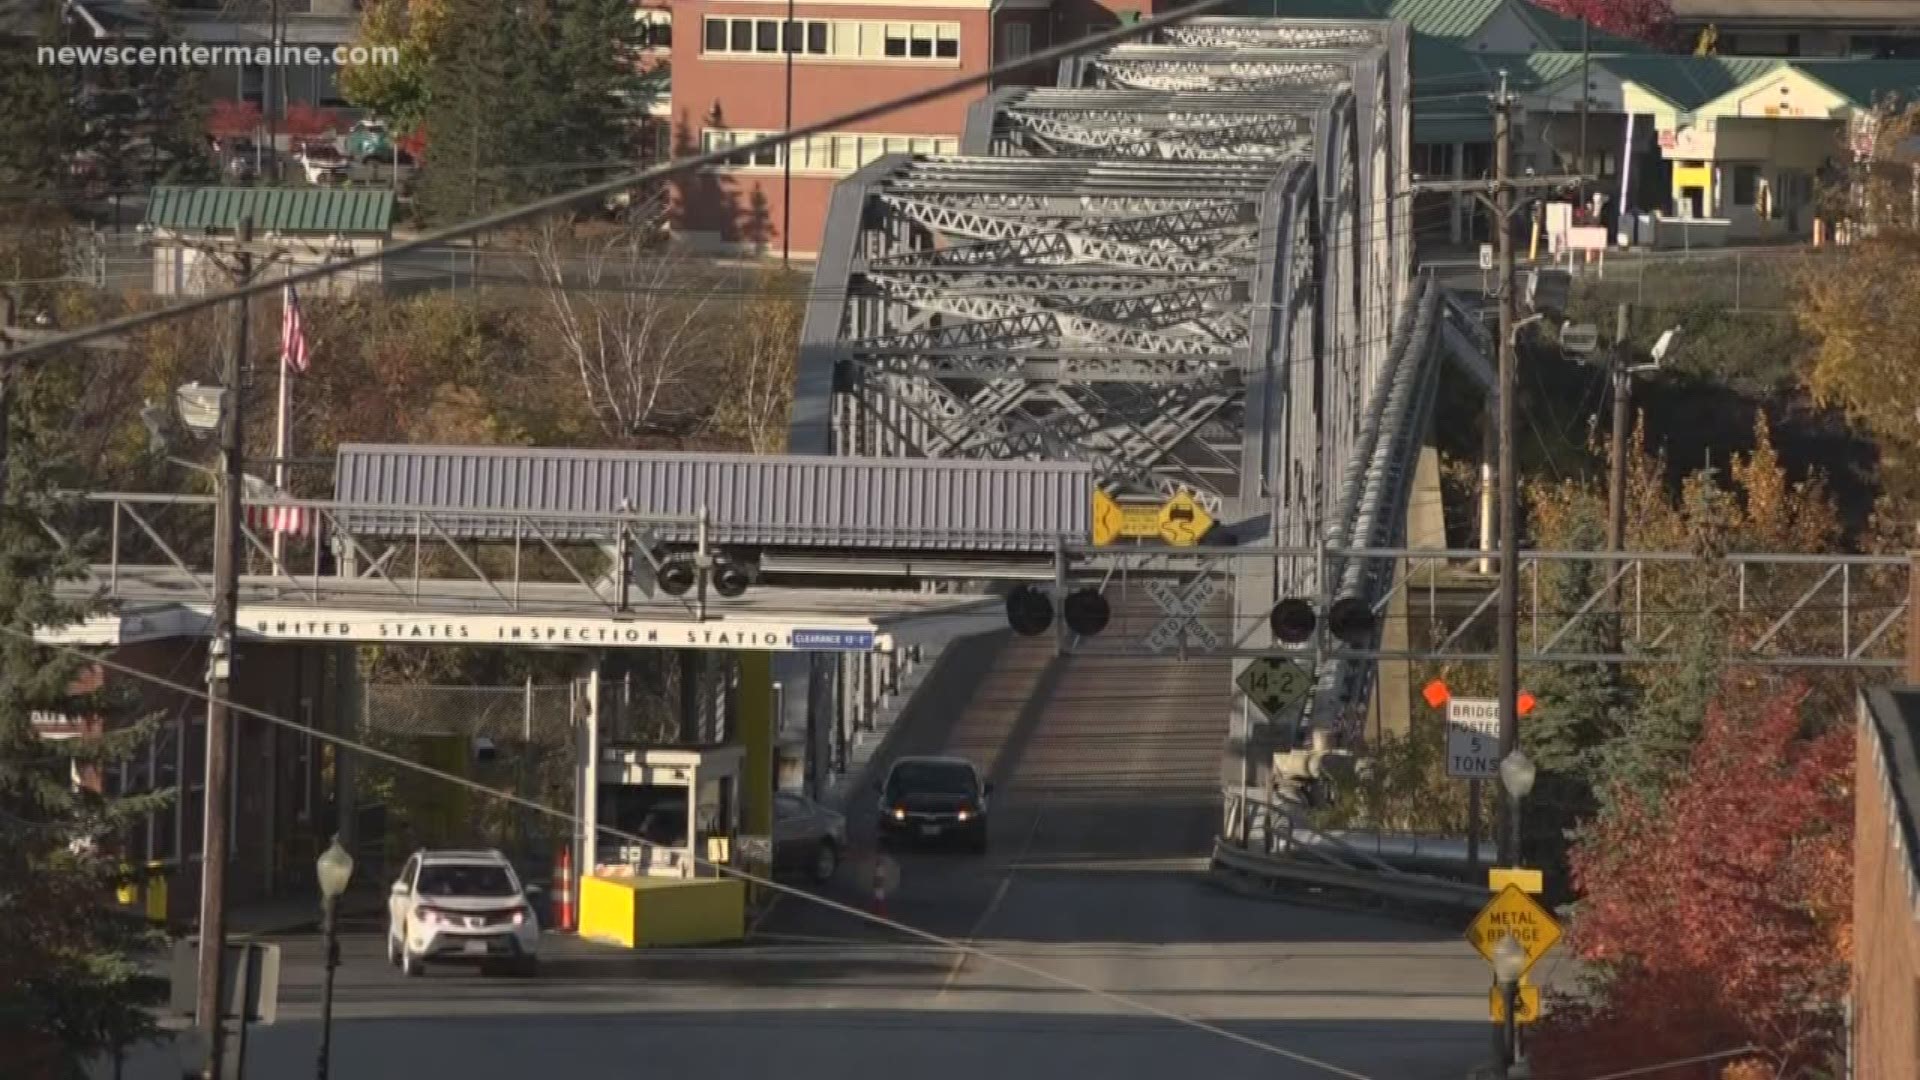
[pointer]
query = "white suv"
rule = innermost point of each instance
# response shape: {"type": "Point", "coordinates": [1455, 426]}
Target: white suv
{"type": "Point", "coordinates": [461, 905]}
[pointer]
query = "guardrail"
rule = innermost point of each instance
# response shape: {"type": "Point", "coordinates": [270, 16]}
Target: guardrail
{"type": "Point", "coordinates": [1274, 857]}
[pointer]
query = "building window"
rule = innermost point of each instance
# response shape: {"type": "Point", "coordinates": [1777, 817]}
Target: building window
{"type": "Point", "coordinates": [1746, 184]}
{"type": "Point", "coordinates": [830, 153]}
{"type": "Point", "coordinates": [849, 38]}
{"type": "Point", "coordinates": [1016, 41]}
{"type": "Point", "coordinates": [656, 29]}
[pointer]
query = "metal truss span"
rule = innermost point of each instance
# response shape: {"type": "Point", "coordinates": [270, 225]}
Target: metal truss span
{"type": "Point", "coordinates": [1184, 265]}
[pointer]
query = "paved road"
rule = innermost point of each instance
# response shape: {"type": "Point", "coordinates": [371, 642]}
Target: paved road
{"type": "Point", "coordinates": [1105, 773]}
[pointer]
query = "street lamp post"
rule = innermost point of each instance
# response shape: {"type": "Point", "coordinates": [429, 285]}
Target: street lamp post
{"type": "Point", "coordinates": [1509, 963]}
{"type": "Point", "coordinates": [1517, 774]}
{"type": "Point", "coordinates": [334, 868]}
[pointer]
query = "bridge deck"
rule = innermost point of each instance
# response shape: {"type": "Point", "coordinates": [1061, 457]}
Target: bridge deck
{"type": "Point", "coordinates": [162, 601]}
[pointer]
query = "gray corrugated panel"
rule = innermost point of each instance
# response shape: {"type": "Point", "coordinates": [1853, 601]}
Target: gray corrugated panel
{"type": "Point", "coordinates": [789, 501]}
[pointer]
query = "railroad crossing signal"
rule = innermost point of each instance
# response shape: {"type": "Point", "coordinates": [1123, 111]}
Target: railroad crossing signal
{"type": "Point", "coordinates": [1275, 684]}
{"type": "Point", "coordinates": [1514, 914]}
{"type": "Point", "coordinates": [1180, 521]}
{"type": "Point", "coordinates": [1181, 605]}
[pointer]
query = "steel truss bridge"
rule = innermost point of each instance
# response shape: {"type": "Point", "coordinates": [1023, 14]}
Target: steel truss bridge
{"type": "Point", "coordinates": [1188, 264]}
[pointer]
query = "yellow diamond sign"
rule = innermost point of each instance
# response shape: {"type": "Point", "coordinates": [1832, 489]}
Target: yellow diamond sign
{"type": "Point", "coordinates": [1513, 913]}
{"type": "Point", "coordinates": [1183, 521]}
{"type": "Point", "coordinates": [1528, 999]}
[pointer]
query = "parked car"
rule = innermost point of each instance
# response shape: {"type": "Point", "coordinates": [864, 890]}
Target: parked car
{"type": "Point", "coordinates": [807, 837]}
{"type": "Point", "coordinates": [322, 163]}
{"type": "Point", "coordinates": [934, 799]}
{"type": "Point", "coordinates": [461, 906]}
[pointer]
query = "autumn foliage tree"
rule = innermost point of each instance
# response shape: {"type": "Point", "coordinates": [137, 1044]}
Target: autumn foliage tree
{"type": "Point", "coordinates": [1718, 915]}
{"type": "Point", "coordinates": [1646, 20]}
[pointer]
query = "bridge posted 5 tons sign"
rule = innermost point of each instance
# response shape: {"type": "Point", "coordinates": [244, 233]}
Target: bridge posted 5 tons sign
{"type": "Point", "coordinates": [1473, 739]}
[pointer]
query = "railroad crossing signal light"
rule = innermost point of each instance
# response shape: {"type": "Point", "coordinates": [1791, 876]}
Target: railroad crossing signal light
{"type": "Point", "coordinates": [676, 578]}
{"type": "Point", "coordinates": [730, 579]}
{"type": "Point", "coordinates": [1351, 621]}
{"type": "Point", "coordinates": [1292, 621]}
{"type": "Point", "coordinates": [1029, 612]}
{"type": "Point", "coordinates": [1086, 611]}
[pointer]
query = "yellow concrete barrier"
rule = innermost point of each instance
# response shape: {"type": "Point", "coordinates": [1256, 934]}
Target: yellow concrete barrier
{"type": "Point", "coordinates": [638, 912]}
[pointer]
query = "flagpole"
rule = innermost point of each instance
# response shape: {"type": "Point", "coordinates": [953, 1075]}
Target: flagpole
{"type": "Point", "coordinates": [281, 450]}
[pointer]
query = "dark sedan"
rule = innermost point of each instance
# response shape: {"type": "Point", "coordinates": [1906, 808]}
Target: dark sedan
{"type": "Point", "coordinates": [934, 799]}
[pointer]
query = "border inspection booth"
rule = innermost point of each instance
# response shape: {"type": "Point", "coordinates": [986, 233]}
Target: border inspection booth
{"type": "Point", "coordinates": [685, 803]}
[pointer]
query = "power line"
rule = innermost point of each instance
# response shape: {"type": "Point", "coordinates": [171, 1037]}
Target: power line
{"type": "Point", "coordinates": [354, 746]}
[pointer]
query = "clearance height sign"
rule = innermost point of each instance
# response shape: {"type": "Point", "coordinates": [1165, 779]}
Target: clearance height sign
{"type": "Point", "coordinates": [373, 627]}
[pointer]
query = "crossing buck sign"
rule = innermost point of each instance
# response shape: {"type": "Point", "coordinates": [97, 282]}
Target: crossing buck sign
{"type": "Point", "coordinates": [1275, 684]}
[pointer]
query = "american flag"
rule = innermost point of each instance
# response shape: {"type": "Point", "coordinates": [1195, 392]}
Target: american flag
{"type": "Point", "coordinates": [293, 335]}
{"type": "Point", "coordinates": [290, 520]}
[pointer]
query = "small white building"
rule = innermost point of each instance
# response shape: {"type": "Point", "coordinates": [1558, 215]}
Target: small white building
{"type": "Point", "coordinates": [194, 228]}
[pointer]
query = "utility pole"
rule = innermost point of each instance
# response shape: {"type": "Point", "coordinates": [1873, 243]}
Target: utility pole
{"type": "Point", "coordinates": [268, 80]}
{"type": "Point", "coordinates": [1509, 643]}
{"type": "Point", "coordinates": [226, 598]}
{"type": "Point", "coordinates": [1586, 55]}
{"type": "Point", "coordinates": [1620, 362]}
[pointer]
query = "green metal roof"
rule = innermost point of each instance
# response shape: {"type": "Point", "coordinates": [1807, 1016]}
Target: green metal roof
{"type": "Point", "coordinates": [1864, 82]}
{"type": "Point", "coordinates": [314, 210]}
{"type": "Point", "coordinates": [1565, 33]}
{"type": "Point", "coordinates": [1690, 81]}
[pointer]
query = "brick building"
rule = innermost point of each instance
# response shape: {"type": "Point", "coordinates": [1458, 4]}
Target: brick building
{"type": "Point", "coordinates": [729, 87]}
{"type": "Point", "coordinates": [1886, 888]}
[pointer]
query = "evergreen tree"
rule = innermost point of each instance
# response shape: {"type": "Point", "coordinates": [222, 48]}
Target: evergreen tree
{"type": "Point", "coordinates": [38, 128]}
{"type": "Point", "coordinates": [72, 983]}
{"type": "Point", "coordinates": [1582, 706]}
{"type": "Point", "coordinates": [567, 68]}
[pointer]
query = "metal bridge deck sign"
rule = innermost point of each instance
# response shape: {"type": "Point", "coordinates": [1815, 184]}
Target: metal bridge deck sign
{"type": "Point", "coordinates": [1514, 914]}
{"type": "Point", "coordinates": [1473, 739]}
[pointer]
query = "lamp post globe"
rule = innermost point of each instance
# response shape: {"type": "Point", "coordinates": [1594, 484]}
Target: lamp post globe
{"type": "Point", "coordinates": [1517, 774]}
{"type": "Point", "coordinates": [1509, 961]}
{"type": "Point", "coordinates": [334, 868]}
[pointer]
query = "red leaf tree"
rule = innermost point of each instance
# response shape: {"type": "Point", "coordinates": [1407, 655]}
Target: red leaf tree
{"type": "Point", "coordinates": [304, 121]}
{"type": "Point", "coordinates": [233, 119]}
{"type": "Point", "coordinates": [1646, 20]}
{"type": "Point", "coordinates": [1722, 916]}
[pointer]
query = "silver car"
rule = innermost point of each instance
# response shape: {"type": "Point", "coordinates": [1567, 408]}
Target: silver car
{"type": "Point", "coordinates": [807, 838]}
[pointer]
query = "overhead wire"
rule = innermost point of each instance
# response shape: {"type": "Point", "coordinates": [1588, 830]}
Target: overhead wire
{"type": "Point", "coordinates": [342, 742]}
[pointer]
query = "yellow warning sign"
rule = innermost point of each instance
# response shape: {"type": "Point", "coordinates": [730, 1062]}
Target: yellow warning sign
{"type": "Point", "coordinates": [1183, 521]}
{"type": "Point", "coordinates": [1529, 1002]}
{"type": "Point", "coordinates": [1114, 520]}
{"type": "Point", "coordinates": [1514, 914]}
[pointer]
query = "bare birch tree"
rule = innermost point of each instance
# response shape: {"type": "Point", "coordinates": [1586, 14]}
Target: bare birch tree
{"type": "Point", "coordinates": [632, 319]}
{"type": "Point", "coordinates": [759, 350]}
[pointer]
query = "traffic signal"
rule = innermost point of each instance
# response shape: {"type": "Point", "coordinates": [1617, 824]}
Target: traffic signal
{"type": "Point", "coordinates": [1029, 611]}
{"type": "Point", "coordinates": [1349, 619]}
